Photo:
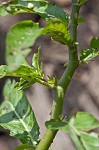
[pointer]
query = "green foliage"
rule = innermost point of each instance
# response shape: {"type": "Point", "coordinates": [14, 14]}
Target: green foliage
{"type": "Point", "coordinates": [28, 74]}
{"type": "Point", "coordinates": [88, 54]}
{"type": "Point", "coordinates": [94, 43]}
{"type": "Point", "coordinates": [92, 52]}
{"type": "Point", "coordinates": [24, 147]}
{"type": "Point", "coordinates": [90, 142]}
{"type": "Point", "coordinates": [85, 121]}
{"type": "Point", "coordinates": [82, 122]}
{"type": "Point", "coordinates": [17, 115]}
{"type": "Point", "coordinates": [81, 20]}
{"type": "Point", "coordinates": [45, 9]}
{"type": "Point", "coordinates": [36, 64]}
{"type": "Point", "coordinates": [19, 39]}
{"type": "Point", "coordinates": [3, 70]}
{"type": "Point", "coordinates": [3, 11]}
{"type": "Point", "coordinates": [57, 125]}
{"type": "Point", "coordinates": [77, 129]}
{"type": "Point", "coordinates": [59, 31]}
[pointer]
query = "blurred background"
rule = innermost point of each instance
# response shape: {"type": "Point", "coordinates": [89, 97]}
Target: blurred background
{"type": "Point", "coordinates": [83, 92]}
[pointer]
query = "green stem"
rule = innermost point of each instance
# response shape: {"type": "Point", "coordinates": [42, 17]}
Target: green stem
{"type": "Point", "coordinates": [65, 79]}
{"type": "Point", "coordinates": [39, 80]}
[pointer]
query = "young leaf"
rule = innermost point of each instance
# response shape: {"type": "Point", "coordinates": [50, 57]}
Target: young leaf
{"type": "Point", "coordinates": [24, 72]}
{"type": "Point", "coordinates": [19, 38]}
{"type": "Point", "coordinates": [56, 125]}
{"type": "Point", "coordinates": [88, 54]}
{"type": "Point", "coordinates": [45, 9]}
{"type": "Point", "coordinates": [58, 30]}
{"type": "Point", "coordinates": [94, 43]}
{"type": "Point", "coordinates": [52, 80]}
{"type": "Point", "coordinates": [36, 64]}
{"type": "Point", "coordinates": [3, 11]}
{"type": "Point", "coordinates": [17, 115]}
{"type": "Point", "coordinates": [3, 69]}
{"type": "Point", "coordinates": [23, 83]}
{"type": "Point", "coordinates": [81, 20]}
{"type": "Point", "coordinates": [24, 147]}
{"type": "Point", "coordinates": [85, 121]}
{"type": "Point", "coordinates": [28, 75]}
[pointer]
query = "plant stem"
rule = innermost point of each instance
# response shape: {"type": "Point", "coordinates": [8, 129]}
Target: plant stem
{"type": "Point", "coordinates": [65, 79]}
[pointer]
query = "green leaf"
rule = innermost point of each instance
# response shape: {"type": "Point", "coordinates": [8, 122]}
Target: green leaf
{"type": "Point", "coordinates": [81, 20]}
{"type": "Point", "coordinates": [57, 125]}
{"type": "Point", "coordinates": [35, 59]}
{"type": "Point", "coordinates": [90, 142]}
{"type": "Point", "coordinates": [52, 80]}
{"type": "Point", "coordinates": [3, 11]}
{"type": "Point", "coordinates": [17, 115]}
{"type": "Point", "coordinates": [58, 30]}
{"type": "Point", "coordinates": [94, 43]}
{"type": "Point", "coordinates": [19, 38]}
{"type": "Point", "coordinates": [24, 72]}
{"type": "Point", "coordinates": [24, 147]}
{"type": "Point", "coordinates": [85, 121]}
{"type": "Point", "coordinates": [88, 54]}
{"type": "Point", "coordinates": [82, 122]}
{"type": "Point", "coordinates": [36, 64]}
{"type": "Point", "coordinates": [23, 83]}
{"type": "Point", "coordinates": [76, 127]}
{"type": "Point", "coordinates": [3, 69]}
{"type": "Point", "coordinates": [28, 75]}
{"type": "Point", "coordinates": [45, 9]}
